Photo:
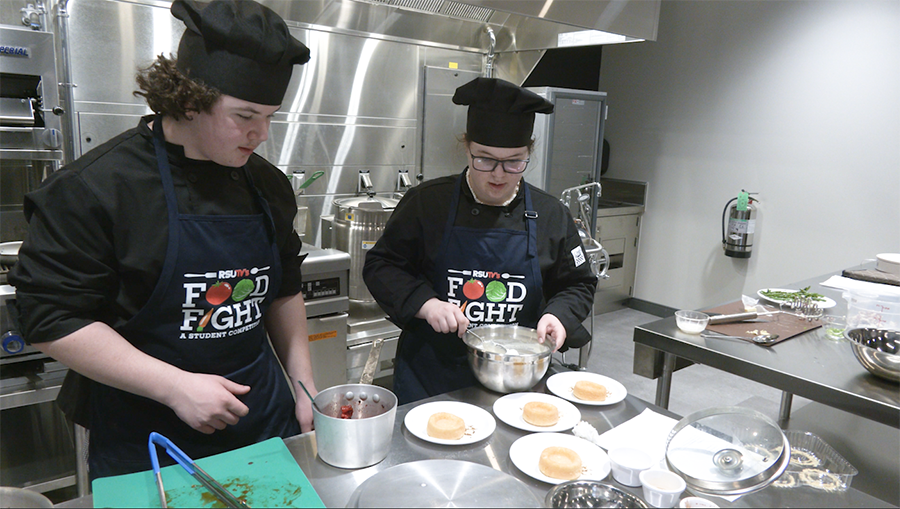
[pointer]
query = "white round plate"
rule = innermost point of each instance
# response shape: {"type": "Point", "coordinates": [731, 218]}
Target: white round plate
{"type": "Point", "coordinates": [509, 409]}
{"type": "Point", "coordinates": [827, 303]}
{"type": "Point", "coordinates": [562, 384]}
{"type": "Point", "coordinates": [479, 422]}
{"type": "Point", "coordinates": [525, 454]}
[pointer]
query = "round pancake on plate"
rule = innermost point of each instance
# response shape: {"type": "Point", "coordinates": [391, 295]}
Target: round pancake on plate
{"type": "Point", "coordinates": [590, 391]}
{"type": "Point", "coordinates": [446, 426]}
{"type": "Point", "coordinates": [540, 413]}
{"type": "Point", "coordinates": [560, 463]}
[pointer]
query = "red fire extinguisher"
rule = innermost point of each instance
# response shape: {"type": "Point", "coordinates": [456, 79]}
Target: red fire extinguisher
{"type": "Point", "coordinates": [737, 234]}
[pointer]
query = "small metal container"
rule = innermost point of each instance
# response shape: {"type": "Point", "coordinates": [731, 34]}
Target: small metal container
{"type": "Point", "coordinates": [507, 358]}
{"type": "Point", "coordinates": [590, 494]}
{"type": "Point", "coordinates": [878, 350]}
{"type": "Point", "coordinates": [365, 438]}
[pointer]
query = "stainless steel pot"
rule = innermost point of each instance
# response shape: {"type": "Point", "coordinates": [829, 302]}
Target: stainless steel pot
{"type": "Point", "coordinates": [358, 224]}
{"type": "Point", "coordinates": [365, 438]}
{"type": "Point", "coordinates": [507, 358]}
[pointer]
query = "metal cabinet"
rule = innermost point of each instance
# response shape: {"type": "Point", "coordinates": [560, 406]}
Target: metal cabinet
{"type": "Point", "coordinates": [618, 230]}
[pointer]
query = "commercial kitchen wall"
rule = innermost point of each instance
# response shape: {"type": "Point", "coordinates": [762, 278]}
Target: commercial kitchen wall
{"type": "Point", "coordinates": [796, 100]}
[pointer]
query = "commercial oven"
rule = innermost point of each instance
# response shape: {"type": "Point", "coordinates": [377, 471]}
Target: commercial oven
{"type": "Point", "coordinates": [30, 137]}
{"type": "Point", "coordinates": [326, 276]}
{"type": "Point", "coordinates": [37, 445]}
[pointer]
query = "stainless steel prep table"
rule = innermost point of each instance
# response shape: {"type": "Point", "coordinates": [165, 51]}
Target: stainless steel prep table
{"type": "Point", "coordinates": [336, 486]}
{"type": "Point", "coordinates": [807, 365]}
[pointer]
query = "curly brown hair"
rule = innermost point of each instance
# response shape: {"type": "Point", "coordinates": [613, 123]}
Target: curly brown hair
{"type": "Point", "coordinates": [171, 93]}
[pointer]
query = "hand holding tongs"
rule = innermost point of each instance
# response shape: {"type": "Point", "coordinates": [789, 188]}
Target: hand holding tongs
{"type": "Point", "coordinates": [224, 496]}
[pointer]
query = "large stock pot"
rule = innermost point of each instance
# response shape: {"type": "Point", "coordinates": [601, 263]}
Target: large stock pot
{"type": "Point", "coordinates": [358, 224]}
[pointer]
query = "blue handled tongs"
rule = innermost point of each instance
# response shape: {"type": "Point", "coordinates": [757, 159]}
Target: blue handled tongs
{"type": "Point", "coordinates": [224, 496]}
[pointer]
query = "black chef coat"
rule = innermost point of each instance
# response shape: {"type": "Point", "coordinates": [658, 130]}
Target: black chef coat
{"type": "Point", "coordinates": [98, 231]}
{"type": "Point", "coordinates": [399, 268]}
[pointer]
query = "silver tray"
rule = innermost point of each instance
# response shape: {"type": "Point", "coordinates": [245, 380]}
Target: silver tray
{"type": "Point", "coordinates": [442, 483]}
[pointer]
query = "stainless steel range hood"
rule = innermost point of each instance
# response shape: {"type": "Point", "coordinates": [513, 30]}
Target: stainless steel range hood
{"type": "Point", "coordinates": [517, 25]}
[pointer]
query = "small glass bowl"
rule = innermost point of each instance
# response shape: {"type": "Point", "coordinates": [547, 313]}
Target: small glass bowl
{"type": "Point", "coordinates": [692, 322]}
{"type": "Point", "coordinates": [833, 327]}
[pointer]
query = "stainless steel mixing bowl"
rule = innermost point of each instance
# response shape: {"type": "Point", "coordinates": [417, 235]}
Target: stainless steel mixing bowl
{"type": "Point", "coordinates": [507, 358]}
{"type": "Point", "coordinates": [590, 494]}
{"type": "Point", "coordinates": [878, 350]}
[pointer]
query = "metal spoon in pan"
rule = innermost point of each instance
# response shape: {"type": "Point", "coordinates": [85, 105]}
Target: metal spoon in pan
{"type": "Point", "coordinates": [761, 339]}
{"type": "Point", "coordinates": [308, 395]}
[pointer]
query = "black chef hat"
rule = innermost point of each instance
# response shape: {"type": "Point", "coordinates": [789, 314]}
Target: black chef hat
{"type": "Point", "coordinates": [501, 114]}
{"type": "Point", "coordinates": [239, 47]}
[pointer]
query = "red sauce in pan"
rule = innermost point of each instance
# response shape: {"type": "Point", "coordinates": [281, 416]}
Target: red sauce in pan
{"type": "Point", "coordinates": [346, 412]}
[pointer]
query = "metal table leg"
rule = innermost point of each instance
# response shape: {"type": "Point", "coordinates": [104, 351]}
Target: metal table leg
{"type": "Point", "coordinates": [584, 353]}
{"type": "Point", "coordinates": [81, 467]}
{"type": "Point", "coordinates": [784, 414]}
{"type": "Point", "coordinates": [664, 384]}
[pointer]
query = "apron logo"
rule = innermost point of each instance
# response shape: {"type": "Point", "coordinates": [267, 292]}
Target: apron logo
{"type": "Point", "coordinates": [487, 296]}
{"type": "Point", "coordinates": [229, 306]}
{"type": "Point", "coordinates": [578, 254]}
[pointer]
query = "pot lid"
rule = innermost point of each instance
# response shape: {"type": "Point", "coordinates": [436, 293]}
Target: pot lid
{"type": "Point", "coordinates": [367, 203]}
{"type": "Point", "coordinates": [727, 451]}
{"type": "Point", "coordinates": [443, 483]}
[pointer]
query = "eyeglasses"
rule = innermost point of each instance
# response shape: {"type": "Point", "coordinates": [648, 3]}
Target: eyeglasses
{"type": "Point", "coordinates": [487, 164]}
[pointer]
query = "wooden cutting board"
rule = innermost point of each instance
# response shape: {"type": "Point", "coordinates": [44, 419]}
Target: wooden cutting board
{"type": "Point", "coordinates": [786, 326]}
{"type": "Point", "coordinates": [263, 475]}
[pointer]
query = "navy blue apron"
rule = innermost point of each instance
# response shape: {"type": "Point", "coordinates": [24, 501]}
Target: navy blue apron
{"type": "Point", "coordinates": [205, 315]}
{"type": "Point", "coordinates": [494, 276]}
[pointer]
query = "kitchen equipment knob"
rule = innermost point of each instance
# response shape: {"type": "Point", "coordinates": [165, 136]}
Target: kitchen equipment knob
{"type": "Point", "coordinates": [13, 342]}
{"type": "Point", "coordinates": [51, 138]}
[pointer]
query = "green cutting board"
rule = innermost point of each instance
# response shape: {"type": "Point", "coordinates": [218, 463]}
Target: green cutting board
{"type": "Point", "coordinates": [263, 475]}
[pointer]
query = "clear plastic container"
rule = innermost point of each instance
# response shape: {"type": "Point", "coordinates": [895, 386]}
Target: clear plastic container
{"type": "Point", "coordinates": [879, 311]}
{"type": "Point", "coordinates": [815, 464]}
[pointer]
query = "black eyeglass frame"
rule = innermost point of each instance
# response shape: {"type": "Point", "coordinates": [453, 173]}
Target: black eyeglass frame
{"type": "Point", "coordinates": [501, 162]}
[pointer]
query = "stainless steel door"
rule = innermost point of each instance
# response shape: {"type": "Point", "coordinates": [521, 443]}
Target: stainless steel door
{"type": "Point", "coordinates": [328, 349]}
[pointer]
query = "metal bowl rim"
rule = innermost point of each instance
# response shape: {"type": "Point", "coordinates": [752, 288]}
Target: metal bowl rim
{"type": "Point", "coordinates": [547, 350]}
{"type": "Point", "coordinates": [548, 499]}
{"type": "Point", "coordinates": [861, 342]}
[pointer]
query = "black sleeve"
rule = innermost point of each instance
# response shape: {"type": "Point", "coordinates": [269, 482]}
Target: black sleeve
{"type": "Point", "coordinates": [277, 191]}
{"type": "Point", "coordinates": [395, 268]}
{"type": "Point", "coordinates": [65, 276]}
{"type": "Point", "coordinates": [569, 284]}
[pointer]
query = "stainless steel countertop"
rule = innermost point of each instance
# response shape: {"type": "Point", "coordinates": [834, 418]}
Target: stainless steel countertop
{"type": "Point", "coordinates": [336, 486]}
{"type": "Point", "coordinates": [807, 365]}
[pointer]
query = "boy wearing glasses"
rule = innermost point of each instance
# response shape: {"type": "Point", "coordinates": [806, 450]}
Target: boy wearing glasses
{"type": "Point", "coordinates": [480, 248]}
